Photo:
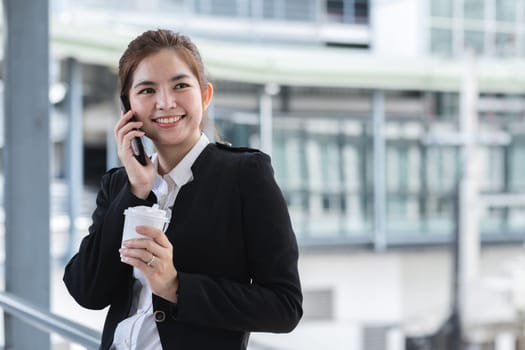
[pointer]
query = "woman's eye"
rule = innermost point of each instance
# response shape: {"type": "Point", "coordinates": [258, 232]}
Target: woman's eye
{"type": "Point", "coordinates": [147, 91]}
{"type": "Point", "coordinates": [181, 86]}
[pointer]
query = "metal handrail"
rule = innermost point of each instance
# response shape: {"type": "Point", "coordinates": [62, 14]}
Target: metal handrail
{"type": "Point", "coordinates": [49, 322]}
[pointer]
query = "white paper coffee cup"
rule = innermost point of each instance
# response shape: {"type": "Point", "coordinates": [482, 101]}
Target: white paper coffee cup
{"type": "Point", "coordinates": [143, 216]}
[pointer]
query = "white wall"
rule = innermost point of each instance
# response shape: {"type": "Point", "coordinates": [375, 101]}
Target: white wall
{"type": "Point", "coordinates": [398, 27]}
{"type": "Point", "coordinates": [408, 289]}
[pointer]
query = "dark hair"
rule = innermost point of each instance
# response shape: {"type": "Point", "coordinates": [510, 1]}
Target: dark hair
{"type": "Point", "coordinates": [153, 41]}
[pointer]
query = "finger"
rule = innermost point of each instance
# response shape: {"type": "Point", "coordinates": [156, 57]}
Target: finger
{"type": "Point", "coordinates": [128, 128]}
{"type": "Point", "coordinates": [157, 235]}
{"type": "Point", "coordinates": [135, 262]}
{"type": "Point", "coordinates": [137, 243]}
{"type": "Point", "coordinates": [123, 120]}
{"type": "Point", "coordinates": [124, 148]}
{"type": "Point", "coordinates": [126, 123]}
{"type": "Point", "coordinates": [141, 254]}
{"type": "Point", "coordinates": [148, 245]}
{"type": "Point", "coordinates": [127, 137]}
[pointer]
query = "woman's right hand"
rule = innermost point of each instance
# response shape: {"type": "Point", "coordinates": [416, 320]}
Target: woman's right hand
{"type": "Point", "coordinates": [140, 177]}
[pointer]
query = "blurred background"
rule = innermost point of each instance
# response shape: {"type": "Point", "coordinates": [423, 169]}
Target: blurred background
{"type": "Point", "coordinates": [397, 135]}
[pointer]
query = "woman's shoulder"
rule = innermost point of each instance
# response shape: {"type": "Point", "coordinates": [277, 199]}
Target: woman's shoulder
{"type": "Point", "coordinates": [245, 157]}
{"type": "Point", "coordinates": [115, 177]}
{"type": "Point", "coordinates": [225, 152]}
{"type": "Point", "coordinates": [116, 172]}
{"type": "Point", "coordinates": [228, 147]}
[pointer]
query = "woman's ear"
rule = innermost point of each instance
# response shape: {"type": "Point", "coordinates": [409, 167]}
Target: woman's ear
{"type": "Point", "coordinates": [207, 96]}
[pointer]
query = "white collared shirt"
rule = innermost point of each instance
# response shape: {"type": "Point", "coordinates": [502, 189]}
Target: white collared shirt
{"type": "Point", "coordinates": [139, 330]}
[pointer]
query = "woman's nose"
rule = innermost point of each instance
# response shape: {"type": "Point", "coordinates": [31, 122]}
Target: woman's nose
{"type": "Point", "coordinates": [165, 100]}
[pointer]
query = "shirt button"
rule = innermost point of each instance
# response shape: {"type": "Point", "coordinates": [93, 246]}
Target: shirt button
{"type": "Point", "coordinates": [159, 316]}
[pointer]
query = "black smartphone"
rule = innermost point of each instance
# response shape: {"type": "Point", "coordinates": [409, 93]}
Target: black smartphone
{"type": "Point", "coordinates": [136, 144]}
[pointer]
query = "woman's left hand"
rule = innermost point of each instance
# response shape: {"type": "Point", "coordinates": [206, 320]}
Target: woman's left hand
{"type": "Point", "coordinates": [154, 257]}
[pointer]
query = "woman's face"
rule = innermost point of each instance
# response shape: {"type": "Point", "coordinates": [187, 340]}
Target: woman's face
{"type": "Point", "coordinates": [167, 98]}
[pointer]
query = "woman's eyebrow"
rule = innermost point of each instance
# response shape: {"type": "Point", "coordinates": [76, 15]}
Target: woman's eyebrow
{"type": "Point", "coordinates": [180, 76]}
{"type": "Point", "coordinates": [144, 82]}
{"type": "Point", "coordinates": [174, 78]}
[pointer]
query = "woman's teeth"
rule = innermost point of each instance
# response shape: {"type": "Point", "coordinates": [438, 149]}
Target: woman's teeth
{"type": "Point", "coordinates": [168, 120]}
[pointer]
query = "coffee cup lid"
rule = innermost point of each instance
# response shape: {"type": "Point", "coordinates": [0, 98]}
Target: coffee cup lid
{"type": "Point", "coordinates": [144, 210]}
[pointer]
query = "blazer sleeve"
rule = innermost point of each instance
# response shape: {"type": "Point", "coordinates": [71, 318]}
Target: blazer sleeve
{"type": "Point", "coordinates": [273, 301]}
{"type": "Point", "coordinates": [95, 275]}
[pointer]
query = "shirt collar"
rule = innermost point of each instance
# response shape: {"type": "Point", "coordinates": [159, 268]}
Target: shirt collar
{"type": "Point", "coordinates": [182, 173]}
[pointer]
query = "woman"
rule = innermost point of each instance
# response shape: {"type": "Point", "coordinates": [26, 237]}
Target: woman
{"type": "Point", "coordinates": [227, 263]}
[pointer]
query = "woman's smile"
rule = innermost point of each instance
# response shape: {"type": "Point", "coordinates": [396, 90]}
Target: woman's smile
{"type": "Point", "coordinates": [169, 121]}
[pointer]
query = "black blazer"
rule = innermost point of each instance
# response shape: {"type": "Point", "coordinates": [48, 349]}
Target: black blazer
{"type": "Point", "coordinates": [233, 247]}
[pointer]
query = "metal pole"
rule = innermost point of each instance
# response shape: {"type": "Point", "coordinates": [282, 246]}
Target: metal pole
{"type": "Point", "coordinates": [26, 164]}
{"type": "Point", "coordinates": [456, 335]}
{"type": "Point", "coordinates": [266, 115]}
{"type": "Point", "coordinates": [49, 322]}
{"type": "Point", "coordinates": [75, 154]}
{"type": "Point", "coordinates": [466, 208]}
{"type": "Point", "coordinates": [469, 242]}
{"type": "Point", "coordinates": [112, 159]}
{"type": "Point", "coordinates": [378, 111]}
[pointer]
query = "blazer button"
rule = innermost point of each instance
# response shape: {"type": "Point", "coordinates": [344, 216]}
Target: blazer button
{"type": "Point", "coordinates": [159, 316]}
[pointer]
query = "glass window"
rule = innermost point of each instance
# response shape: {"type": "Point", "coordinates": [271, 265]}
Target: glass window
{"type": "Point", "coordinates": [357, 179]}
{"type": "Point", "coordinates": [288, 160]}
{"type": "Point", "coordinates": [419, 183]}
{"type": "Point", "coordinates": [506, 10]}
{"type": "Point", "coordinates": [505, 44]}
{"type": "Point", "coordinates": [324, 178]}
{"type": "Point", "coordinates": [241, 129]}
{"type": "Point", "coordinates": [446, 105]}
{"type": "Point", "coordinates": [203, 6]}
{"type": "Point", "coordinates": [347, 11]}
{"type": "Point", "coordinates": [335, 10]}
{"type": "Point", "coordinates": [493, 167]}
{"type": "Point", "coordinates": [441, 42]}
{"type": "Point", "coordinates": [269, 9]}
{"type": "Point", "coordinates": [403, 207]}
{"type": "Point", "coordinates": [517, 164]}
{"type": "Point", "coordinates": [223, 8]}
{"type": "Point", "coordinates": [440, 167]}
{"type": "Point", "coordinates": [361, 11]}
{"type": "Point", "coordinates": [330, 166]}
{"type": "Point", "coordinates": [516, 214]}
{"type": "Point", "coordinates": [320, 165]}
{"type": "Point", "coordinates": [474, 40]}
{"type": "Point", "coordinates": [497, 219]}
{"type": "Point", "coordinates": [293, 10]}
{"type": "Point", "coordinates": [356, 214]}
{"type": "Point", "coordinates": [516, 219]}
{"type": "Point", "coordinates": [474, 9]}
{"type": "Point", "coordinates": [441, 8]}
{"type": "Point", "coordinates": [299, 10]}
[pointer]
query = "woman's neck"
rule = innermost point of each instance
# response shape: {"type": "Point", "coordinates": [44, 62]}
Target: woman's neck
{"type": "Point", "coordinates": [170, 156]}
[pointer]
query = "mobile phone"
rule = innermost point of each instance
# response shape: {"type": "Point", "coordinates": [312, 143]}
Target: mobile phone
{"type": "Point", "coordinates": [136, 143]}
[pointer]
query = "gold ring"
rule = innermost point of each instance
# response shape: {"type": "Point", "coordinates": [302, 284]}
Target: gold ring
{"type": "Point", "coordinates": [151, 260]}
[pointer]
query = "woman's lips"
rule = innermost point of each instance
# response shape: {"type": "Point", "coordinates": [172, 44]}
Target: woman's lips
{"type": "Point", "coordinates": [166, 122]}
